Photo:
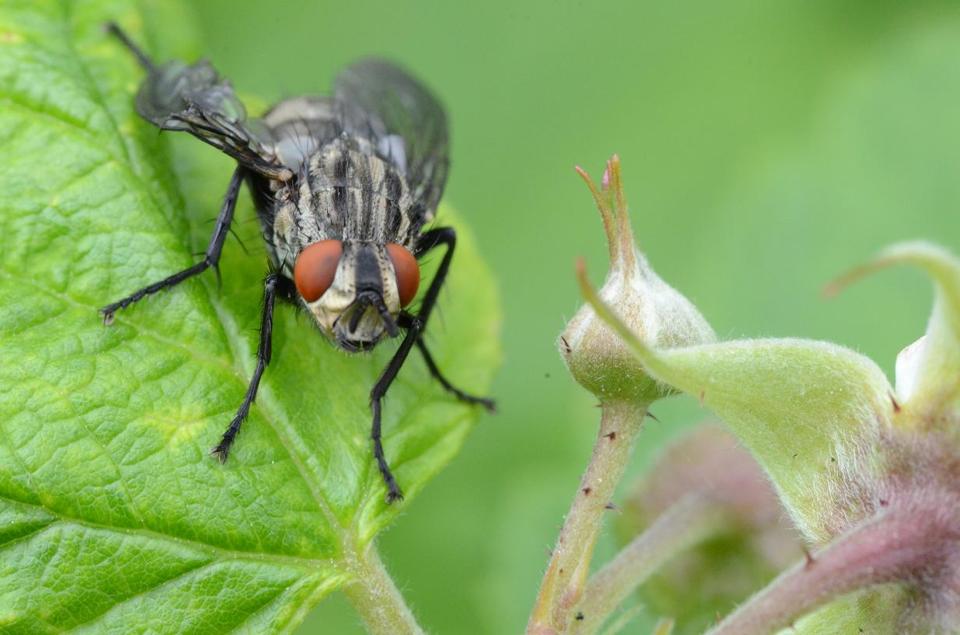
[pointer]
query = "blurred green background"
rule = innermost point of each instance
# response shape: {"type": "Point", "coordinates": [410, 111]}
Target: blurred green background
{"type": "Point", "coordinates": [766, 147]}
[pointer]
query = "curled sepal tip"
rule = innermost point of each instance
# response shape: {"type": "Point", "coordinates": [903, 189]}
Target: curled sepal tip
{"type": "Point", "coordinates": [928, 371]}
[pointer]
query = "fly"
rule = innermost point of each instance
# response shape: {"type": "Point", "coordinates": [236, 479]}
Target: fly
{"type": "Point", "coordinates": [343, 187]}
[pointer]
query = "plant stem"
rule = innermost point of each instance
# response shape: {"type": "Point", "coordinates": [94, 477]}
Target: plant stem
{"type": "Point", "coordinates": [894, 547]}
{"type": "Point", "coordinates": [691, 520]}
{"type": "Point", "coordinates": [376, 598]}
{"type": "Point", "coordinates": [566, 575]}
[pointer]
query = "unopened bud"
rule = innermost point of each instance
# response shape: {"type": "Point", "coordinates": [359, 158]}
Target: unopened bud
{"type": "Point", "coordinates": [596, 356]}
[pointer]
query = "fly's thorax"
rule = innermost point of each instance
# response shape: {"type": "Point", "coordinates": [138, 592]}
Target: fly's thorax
{"type": "Point", "coordinates": [345, 230]}
{"type": "Point", "coordinates": [354, 191]}
{"type": "Point", "coordinates": [349, 311]}
{"type": "Point", "coordinates": [345, 196]}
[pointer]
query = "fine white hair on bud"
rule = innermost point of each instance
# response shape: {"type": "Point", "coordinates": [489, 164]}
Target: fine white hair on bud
{"type": "Point", "coordinates": [596, 356]}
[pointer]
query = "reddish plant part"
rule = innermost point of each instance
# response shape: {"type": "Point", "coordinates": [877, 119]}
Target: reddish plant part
{"type": "Point", "coordinates": [868, 473]}
{"type": "Point", "coordinates": [704, 522]}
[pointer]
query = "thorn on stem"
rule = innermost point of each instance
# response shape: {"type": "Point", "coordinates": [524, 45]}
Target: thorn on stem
{"type": "Point", "coordinates": [896, 404]}
{"type": "Point", "coordinates": [612, 435]}
{"type": "Point", "coordinates": [809, 557]}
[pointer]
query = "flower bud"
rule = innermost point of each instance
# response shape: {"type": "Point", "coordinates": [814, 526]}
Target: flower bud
{"type": "Point", "coordinates": [596, 356]}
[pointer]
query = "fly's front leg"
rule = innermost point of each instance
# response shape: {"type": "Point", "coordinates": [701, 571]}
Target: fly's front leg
{"type": "Point", "coordinates": [264, 349]}
{"type": "Point", "coordinates": [376, 404]}
{"type": "Point", "coordinates": [415, 324]}
{"type": "Point", "coordinates": [211, 257]}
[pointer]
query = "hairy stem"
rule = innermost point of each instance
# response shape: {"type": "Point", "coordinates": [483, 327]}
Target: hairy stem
{"type": "Point", "coordinates": [892, 547]}
{"type": "Point", "coordinates": [686, 523]}
{"type": "Point", "coordinates": [377, 599]}
{"type": "Point", "coordinates": [566, 575]}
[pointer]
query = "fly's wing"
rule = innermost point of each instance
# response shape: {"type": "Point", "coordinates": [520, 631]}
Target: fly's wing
{"type": "Point", "coordinates": [194, 98]}
{"type": "Point", "coordinates": [406, 123]}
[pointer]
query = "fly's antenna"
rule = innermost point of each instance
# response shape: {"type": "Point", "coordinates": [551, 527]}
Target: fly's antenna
{"type": "Point", "coordinates": [114, 29]}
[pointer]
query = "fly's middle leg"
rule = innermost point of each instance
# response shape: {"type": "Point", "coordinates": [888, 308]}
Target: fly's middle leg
{"type": "Point", "coordinates": [211, 257]}
{"type": "Point", "coordinates": [463, 396]}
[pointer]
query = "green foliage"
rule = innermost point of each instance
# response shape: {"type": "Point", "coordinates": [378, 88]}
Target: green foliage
{"type": "Point", "coordinates": [112, 513]}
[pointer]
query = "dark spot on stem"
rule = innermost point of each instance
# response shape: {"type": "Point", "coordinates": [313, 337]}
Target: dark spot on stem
{"type": "Point", "coordinates": [587, 490]}
{"type": "Point", "coordinates": [896, 404]}
{"type": "Point", "coordinates": [579, 616]}
{"type": "Point", "coordinates": [612, 435]}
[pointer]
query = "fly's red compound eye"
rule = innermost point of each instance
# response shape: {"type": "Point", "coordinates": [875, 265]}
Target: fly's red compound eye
{"type": "Point", "coordinates": [315, 268]}
{"type": "Point", "coordinates": [408, 272]}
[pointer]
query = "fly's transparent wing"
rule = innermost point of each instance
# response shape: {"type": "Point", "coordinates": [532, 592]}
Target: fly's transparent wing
{"type": "Point", "coordinates": [194, 98]}
{"type": "Point", "coordinates": [404, 120]}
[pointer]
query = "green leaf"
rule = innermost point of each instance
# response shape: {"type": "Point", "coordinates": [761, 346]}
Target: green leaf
{"type": "Point", "coordinates": [113, 516]}
{"type": "Point", "coordinates": [810, 412]}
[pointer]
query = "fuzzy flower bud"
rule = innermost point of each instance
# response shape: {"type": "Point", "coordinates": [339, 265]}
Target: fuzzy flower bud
{"type": "Point", "coordinates": [868, 473]}
{"type": "Point", "coordinates": [596, 356]}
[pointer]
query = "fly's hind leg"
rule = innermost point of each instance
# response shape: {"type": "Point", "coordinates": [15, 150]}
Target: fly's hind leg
{"type": "Point", "coordinates": [211, 257]}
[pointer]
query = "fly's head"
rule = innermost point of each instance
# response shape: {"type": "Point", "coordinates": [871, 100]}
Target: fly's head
{"type": "Point", "coordinates": [355, 289]}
